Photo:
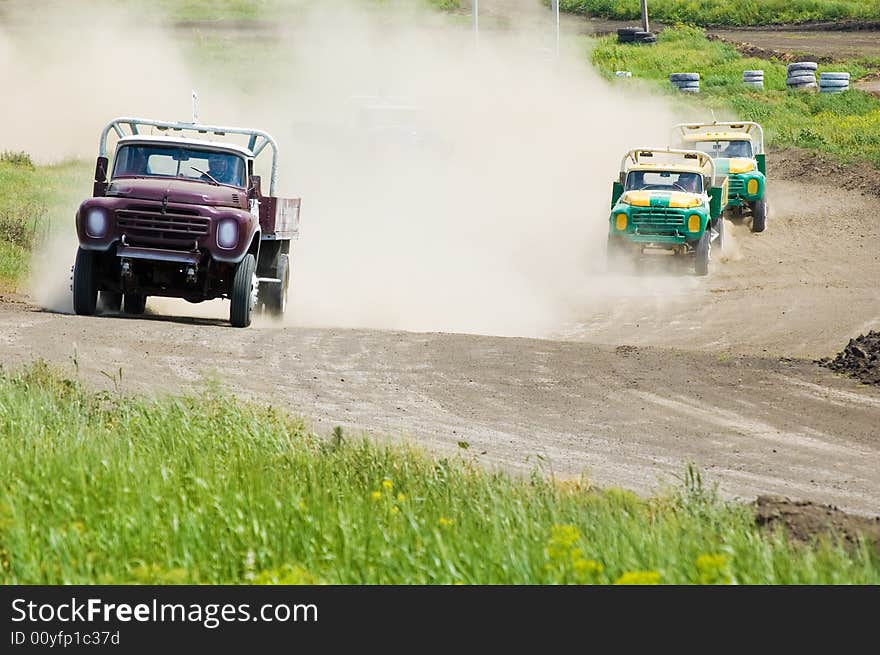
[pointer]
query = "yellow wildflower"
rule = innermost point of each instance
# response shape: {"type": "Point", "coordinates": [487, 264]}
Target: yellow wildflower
{"type": "Point", "coordinates": [401, 498]}
{"type": "Point", "coordinates": [713, 569]}
{"type": "Point", "coordinates": [445, 522]}
{"type": "Point", "coordinates": [376, 495]}
{"type": "Point", "coordinates": [639, 578]}
{"type": "Point", "coordinates": [387, 484]}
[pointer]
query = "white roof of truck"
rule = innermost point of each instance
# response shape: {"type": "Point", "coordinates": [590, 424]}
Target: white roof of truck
{"type": "Point", "coordinates": [184, 141]}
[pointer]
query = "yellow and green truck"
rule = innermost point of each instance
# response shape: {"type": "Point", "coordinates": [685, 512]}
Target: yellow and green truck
{"type": "Point", "coordinates": [666, 199]}
{"type": "Point", "coordinates": [738, 151]}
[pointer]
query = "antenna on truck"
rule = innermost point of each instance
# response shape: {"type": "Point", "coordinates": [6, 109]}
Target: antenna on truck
{"type": "Point", "coordinates": [195, 106]}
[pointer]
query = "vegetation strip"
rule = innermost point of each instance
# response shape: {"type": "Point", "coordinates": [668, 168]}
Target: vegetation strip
{"type": "Point", "coordinates": [845, 125]}
{"type": "Point", "coordinates": [722, 12]}
{"type": "Point", "coordinates": [103, 488]}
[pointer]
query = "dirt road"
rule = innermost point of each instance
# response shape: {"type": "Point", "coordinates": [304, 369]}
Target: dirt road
{"type": "Point", "coordinates": [695, 375]}
{"type": "Point", "coordinates": [643, 375]}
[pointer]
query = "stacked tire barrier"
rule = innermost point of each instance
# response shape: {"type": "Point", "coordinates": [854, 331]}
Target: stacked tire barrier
{"type": "Point", "coordinates": [833, 82]}
{"type": "Point", "coordinates": [802, 76]}
{"type": "Point", "coordinates": [754, 79]}
{"type": "Point", "coordinates": [622, 74]}
{"type": "Point", "coordinates": [635, 35]}
{"type": "Point", "coordinates": [686, 82]}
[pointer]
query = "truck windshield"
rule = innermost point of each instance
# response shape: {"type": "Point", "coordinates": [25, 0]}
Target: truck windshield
{"type": "Point", "coordinates": [140, 160]}
{"type": "Point", "coordinates": [664, 181]}
{"type": "Point", "coordinates": [726, 149]}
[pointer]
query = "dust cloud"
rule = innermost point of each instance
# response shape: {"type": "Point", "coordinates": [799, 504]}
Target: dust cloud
{"type": "Point", "coordinates": [478, 205]}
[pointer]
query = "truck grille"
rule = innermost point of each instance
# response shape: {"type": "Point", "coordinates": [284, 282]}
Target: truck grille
{"type": "Point", "coordinates": [736, 186]}
{"type": "Point", "coordinates": [149, 224]}
{"type": "Point", "coordinates": [657, 220]}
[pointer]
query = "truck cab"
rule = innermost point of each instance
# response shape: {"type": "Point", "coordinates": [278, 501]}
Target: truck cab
{"type": "Point", "coordinates": [183, 217]}
{"type": "Point", "coordinates": [666, 199]}
{"type": "Point", "coordinates": [738, 151]}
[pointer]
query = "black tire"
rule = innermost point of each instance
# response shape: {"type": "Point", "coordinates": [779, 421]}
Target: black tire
{"type": "Point", "coordinates": [684, 77]}
{"type": "Point", "coordinates": [241, 306]}
{"type": "Point", "coordinates": [109, 301]}
{"type": "Point", "coordinates": [648, 40]}
{"type": "Point", "coordinates": [276, 301]}
{"type": "Point", "coordinates": [702, 254]}
{"type": "Point", "coordinates": [834, 76]}
{"type": "Point", "coordinates": [134, 303]}
{"type": "Point", "coordinates": [617, 259]}
{"type": "Point", "coordinates": [85, 283]}
{"type": "Point", "coordinates": [759, 215]}
{"type": "Point", "coordinates": [628, 31]}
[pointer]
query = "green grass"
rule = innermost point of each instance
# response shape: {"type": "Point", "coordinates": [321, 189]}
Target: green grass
{"type": "Point", "coordinates": [729, 12]}
{"type": "Point", "coordinates": [34, 200]}
{"type": "Point", "coordinates": [99, 488]}
{"type": "Point", "coordinates": [845, 125]}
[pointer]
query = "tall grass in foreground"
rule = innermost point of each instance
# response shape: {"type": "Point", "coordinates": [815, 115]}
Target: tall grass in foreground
{"type": "Point", "coordinates": [99, 488]}
{"type": "Point", "coordinates": [729, 12]}
{"type": "Point", "coordinates": [846, 125]}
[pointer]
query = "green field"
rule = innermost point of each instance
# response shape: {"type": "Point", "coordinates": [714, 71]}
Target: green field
{"type": "Point", "coordinates": [845, 125]}
{"type": "Point", "coordinates": [725, 12]}
{"type": "Point", "coordinates": [102, 488]}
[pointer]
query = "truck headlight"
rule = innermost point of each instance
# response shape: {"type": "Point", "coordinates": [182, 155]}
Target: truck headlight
{"type": "Point", "coordinates": [620, 221]}
{"type": "Point", "coordinates": [227, 233]}
{"type": "Point", "coordinates": [694, 222]}
{"type": "Point", "coordinates": [96, 222]}
{"type": "Point", "coordinates": [752, 187]}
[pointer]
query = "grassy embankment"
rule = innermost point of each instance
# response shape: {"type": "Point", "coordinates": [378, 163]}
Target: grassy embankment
{"type": "Point", "coordinates": [100, 488]}
{"type": "Point", "coordinates": [728, 12]}
{"type": "Point", "coordinates": [845, 125]}
{"type": "Point", "coordinates": [34, 200]}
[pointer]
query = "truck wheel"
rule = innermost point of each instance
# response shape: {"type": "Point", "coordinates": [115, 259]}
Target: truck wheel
{"type": "Point", "coordinates": [110, 301]}
{"type": "Point", "coordinates": [276, 303]}
{"type": "Point", "coordinates": [134, 303]}
{"type": "Point", "coordinates": [759, 215]}
{"type": "Point", "coordinates": [703, 254]}
{"type": "Point", "coordinates": [85, 284]}
{"type": "Point", "coordinates": [243, 292]}
{"type": "Point", "coordinates": [719, 227]}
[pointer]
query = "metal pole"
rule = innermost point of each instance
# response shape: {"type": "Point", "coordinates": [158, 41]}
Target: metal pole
{"type": "Point", "coordinates": [556, 12]}
{"type": "Point", "coordinates": [645, 16]}
{"type": "Point", "coordinates": [475, 11]}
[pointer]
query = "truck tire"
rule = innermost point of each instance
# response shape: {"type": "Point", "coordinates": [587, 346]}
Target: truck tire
{"type": "Point", "coordinates": [134, 303]}
{"type": "Point", "coordinates": [85, 283]}
{"type": "Point", "coordinates": [276, 302]}
{"type": "Point", "coordinates": [241, 306]}
{"type": "Point", "coordinates": [719, 227]}
{"type": "Point", "coordinates": [759, 215]}
{"type": "Point", "coordinates": [110, 301]}
{"type": "Point", "coordinates": [702, 254]}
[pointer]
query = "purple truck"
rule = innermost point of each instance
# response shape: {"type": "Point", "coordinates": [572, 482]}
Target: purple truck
{"type": "Point", "coordinates": [183, 217]}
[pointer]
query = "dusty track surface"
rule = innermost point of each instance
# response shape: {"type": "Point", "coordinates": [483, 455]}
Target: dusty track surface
{"type": "Point", "coordinates": [696, 375]}
{"type": "Point", "coordinates": [626, 416]}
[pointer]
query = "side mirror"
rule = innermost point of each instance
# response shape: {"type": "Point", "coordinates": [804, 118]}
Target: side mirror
{"type": "Point", "coordinates": [254, 187]}
{"type": "Point", "coordinates": [622, 178]}
{"type": "Point", "coordinates": [101, 169]}
{"type": "Point", "coordinates": [100, 186]}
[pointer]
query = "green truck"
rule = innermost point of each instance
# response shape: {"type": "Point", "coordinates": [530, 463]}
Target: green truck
{"type": "Point", "coordinates": [666, 199]}
{"type": "Point", "coordinates": [738, 152]}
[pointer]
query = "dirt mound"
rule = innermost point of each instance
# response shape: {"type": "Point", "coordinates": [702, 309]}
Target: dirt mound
{"type": "Point", "coordinates": [803, 521]}
{"type": "Point", "coordinates": [860, 358]}
{"type": "Point", "coordinates": [747, 49]}
{"type": "Point", "coordinates": [811, 167]}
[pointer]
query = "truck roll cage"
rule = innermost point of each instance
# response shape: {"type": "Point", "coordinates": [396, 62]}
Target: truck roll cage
{"type": "Point", "coordinates": [256, 144]}
{"type": "Point", "coordinates": [748, 128]}
{"type": "Point", "coordinates": [637, 155]}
